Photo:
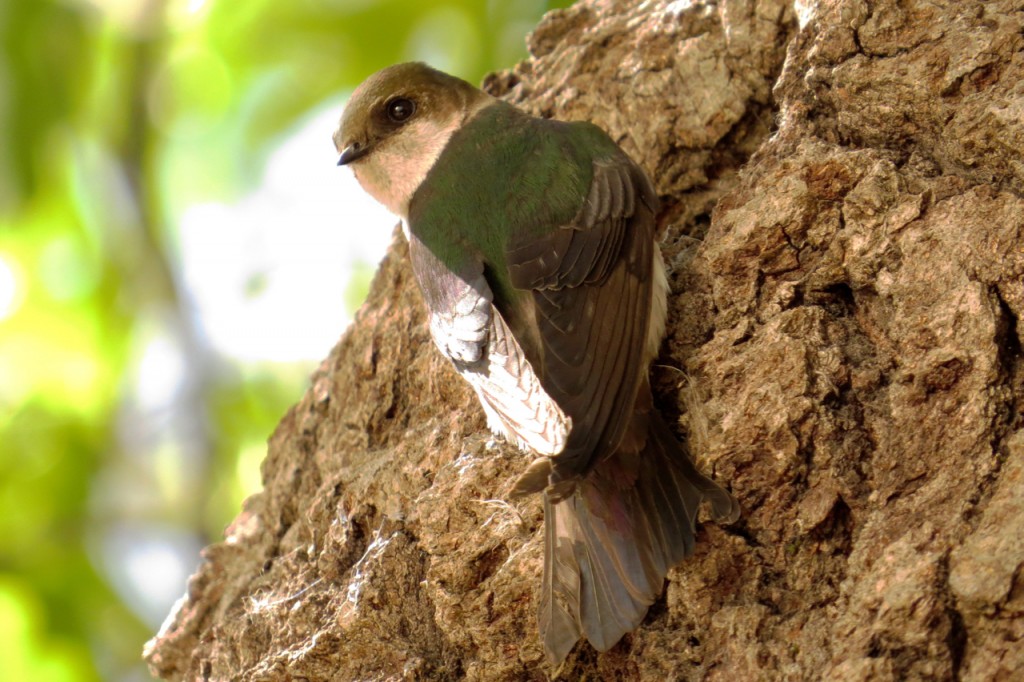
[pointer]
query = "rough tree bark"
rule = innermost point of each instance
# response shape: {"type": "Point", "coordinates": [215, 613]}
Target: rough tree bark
{"type": "Point", "coordinates": [843, 185]}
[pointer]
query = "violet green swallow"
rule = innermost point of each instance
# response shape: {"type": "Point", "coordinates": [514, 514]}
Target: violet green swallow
{"type": "Point", "coordinates": [534, 243]}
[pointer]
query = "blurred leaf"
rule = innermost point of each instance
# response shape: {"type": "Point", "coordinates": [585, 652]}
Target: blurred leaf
{"type": "Point", "coordinates": [27, 653]}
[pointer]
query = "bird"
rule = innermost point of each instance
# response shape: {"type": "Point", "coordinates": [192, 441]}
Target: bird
{"type": "Point", "coordinates": [535, 245]}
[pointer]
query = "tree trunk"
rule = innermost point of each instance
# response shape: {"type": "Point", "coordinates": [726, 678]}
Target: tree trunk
{"type": "Point", "coordinates": [842, 185]}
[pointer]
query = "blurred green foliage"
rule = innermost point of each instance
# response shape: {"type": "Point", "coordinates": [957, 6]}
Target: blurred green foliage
{"type": "Point", "coordinates": [115, 117]}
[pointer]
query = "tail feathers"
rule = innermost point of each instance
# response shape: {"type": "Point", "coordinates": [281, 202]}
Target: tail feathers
{"type": "Point", "coordinates": [559, 613]}
{"type": "Point", "coordinates": [609, 544]}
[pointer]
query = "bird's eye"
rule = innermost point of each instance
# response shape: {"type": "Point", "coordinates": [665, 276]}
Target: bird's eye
{"type": "Point", "coordinates": [400, 109]}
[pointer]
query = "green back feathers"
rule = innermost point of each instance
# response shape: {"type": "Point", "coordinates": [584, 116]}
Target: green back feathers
{"type": "Point", "coordinates": [504, 175]}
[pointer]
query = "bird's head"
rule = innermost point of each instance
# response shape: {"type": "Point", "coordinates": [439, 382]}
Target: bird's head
{"type": "Point", "coordinates": [396, 124]}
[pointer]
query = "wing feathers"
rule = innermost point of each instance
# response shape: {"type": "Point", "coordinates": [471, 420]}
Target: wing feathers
{"type": "Point", "coordinates": [516, 404]}
{"type": "Point", "coordinates": [592, 291]}
{"type": "Point", "coordinates": [593, 368]}
{"type": "Point", "coordinates": [585, 250]}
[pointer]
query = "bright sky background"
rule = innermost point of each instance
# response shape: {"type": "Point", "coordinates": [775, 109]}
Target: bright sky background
{"type": "Point", "coordinates": [269, 272]}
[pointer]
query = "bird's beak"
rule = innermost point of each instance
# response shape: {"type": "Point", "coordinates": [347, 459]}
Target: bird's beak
{"type": "Point", "coordinates": [353, 152]}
